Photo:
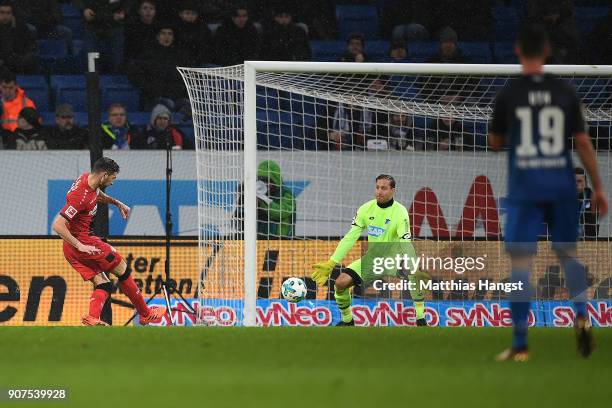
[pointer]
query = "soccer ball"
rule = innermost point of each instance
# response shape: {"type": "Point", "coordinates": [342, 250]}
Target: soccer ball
{"type": "Point", "coordinates": [294, 290]}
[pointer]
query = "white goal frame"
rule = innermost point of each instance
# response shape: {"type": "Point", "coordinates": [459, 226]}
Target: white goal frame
{"type": "Point", "coordinates": [252, 68]}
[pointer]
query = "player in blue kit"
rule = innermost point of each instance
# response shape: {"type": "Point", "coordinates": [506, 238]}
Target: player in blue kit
{"type": "Point", "coordinates": [535, 116]}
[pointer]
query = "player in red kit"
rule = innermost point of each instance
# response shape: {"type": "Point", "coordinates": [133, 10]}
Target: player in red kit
{"type": "Point", "coordinates": [88, 254]}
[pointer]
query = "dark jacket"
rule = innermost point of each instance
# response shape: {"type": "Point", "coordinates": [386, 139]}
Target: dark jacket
{"type": "Point", "coordinates": [236, 45]}
{"type": "Point", "coordinates": [195, 39]}
{"type": "Point", "coordinates": [588, 223]}
{"type": "Point", "coordinates": [104, 10]}
{"type": "Point", "coordinates": [157, 139]}
{"type": "Point", "coordinates": [285, 43]}
{"type": "Point", "coordinates": [139, 38]}
{"type": "Point", "coordinates": [73, 139]}
{"type": "Point", "coordinates": [457, 58]}
{"type": "Point", "coordinates": [18, 50]}
{"type": "Point", "coordinates": [42, 14]}
{"type": "Point", "coordinates": [155, 75]}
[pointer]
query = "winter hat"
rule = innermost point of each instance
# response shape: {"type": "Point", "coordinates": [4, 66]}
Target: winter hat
{"type": "Point", "coordinates": [160, 110]}
{"type": "Point", "coordinates": [448, 35]}
{"type": "Point", "coordinates": [31, 116]}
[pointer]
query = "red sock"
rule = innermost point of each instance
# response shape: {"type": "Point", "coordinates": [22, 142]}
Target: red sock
{"type": "Point", "coordinates": [96, 303]}
{"type": "Point", "coordinates": [130, 289]}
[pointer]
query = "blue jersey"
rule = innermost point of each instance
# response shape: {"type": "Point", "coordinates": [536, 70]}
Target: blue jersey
{"type": "Point", "coordinates": [538, 115]}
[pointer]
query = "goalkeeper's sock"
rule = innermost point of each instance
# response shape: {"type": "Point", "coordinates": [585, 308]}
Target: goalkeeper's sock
{"type": "Point", "coordinates": [96, 302]}
{"type": "Point", "coordinates": [575, 275]}
{"type": "Point", "coordinates": [343, 300]}
{"type": "Point", "coordinates": [419, 308]}
{"type": "Point", "coordinates": [129, 288]}
{"type": "Point", "coordinates": [519, 306]}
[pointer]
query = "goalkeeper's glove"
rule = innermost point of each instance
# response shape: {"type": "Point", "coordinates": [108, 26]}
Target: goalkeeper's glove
{"type": "Point", "coordinates": [322, 271]}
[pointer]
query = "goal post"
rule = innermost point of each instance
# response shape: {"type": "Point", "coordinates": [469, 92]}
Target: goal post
{"type": "Point", "coordinates": [332, 127]}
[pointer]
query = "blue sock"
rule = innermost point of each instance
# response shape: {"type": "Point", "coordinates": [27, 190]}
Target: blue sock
{"type": "Point", "coordinates": [575, 276]}
{"type": "Point", "coordinates": [519, 305]}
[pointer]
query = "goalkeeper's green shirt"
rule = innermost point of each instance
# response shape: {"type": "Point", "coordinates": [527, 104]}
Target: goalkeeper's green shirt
{"type": "Point", "coordinates": [389, 223]}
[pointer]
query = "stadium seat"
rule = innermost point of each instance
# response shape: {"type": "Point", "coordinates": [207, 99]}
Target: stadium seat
{"type": "Point", "coordinates": [504, 53]}
{"type": "Point", "coordinates": [586, 17]}
{"type": "Point", "coordinates": [77, 97]}
{"type": "Point", "coordinates": [377, 51]}
{"type": "Point", "coordinates": [126, 95]}
{"type": "Point", "coordinates": [72, 19]}
{"type": "Point", "coordinates": [506, 22]}
{"type": "Point", "coordinates": [67, 81]}
{"type": "Point", "coordinates": [52, 49]}
{"type": "Point", "coordinates": [327, 50]}
{"type": "Point", "coordinates": [478, 52]}
{"type": "Point", "coordinates": [48, 118]}
{"type": "Point", "coordinates": [139, 119]}
{"type": "Point", "coordinates": [362, 19]}
{"type": "Point", "coordinates": [37, 89]}
{"type": "Point", "coordinates": [421, 50]}
{"type": "Point", "coordinates": [114, 81]}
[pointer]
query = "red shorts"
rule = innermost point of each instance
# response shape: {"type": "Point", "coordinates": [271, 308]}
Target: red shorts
{"type": "Point", "coordinates": [91, 265]}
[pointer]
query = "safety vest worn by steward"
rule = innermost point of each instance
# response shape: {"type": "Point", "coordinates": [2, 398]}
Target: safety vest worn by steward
{"type": "Point", "coordinates": [11, 109]}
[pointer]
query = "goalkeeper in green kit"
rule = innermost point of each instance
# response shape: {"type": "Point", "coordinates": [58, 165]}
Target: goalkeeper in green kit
{"type": "Point", "coordinates": [388, 229]}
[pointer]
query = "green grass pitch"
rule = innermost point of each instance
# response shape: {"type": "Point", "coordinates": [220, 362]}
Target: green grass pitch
{"type": "Point", "coordinates": [303, 367]}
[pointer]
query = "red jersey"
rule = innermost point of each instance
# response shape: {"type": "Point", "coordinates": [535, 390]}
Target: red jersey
{"type": "Point", "coordinates": [81, 206]}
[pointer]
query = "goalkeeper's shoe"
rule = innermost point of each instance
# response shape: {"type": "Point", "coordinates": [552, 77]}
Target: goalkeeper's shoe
{"type": "Point", "coordinates": [322, 271]}
{"type": "Point", "coordinates": [343, 323]}
{"type": "Point", "coordinates": [511, 354]}
{"type": "Point", "coordinates": [88, 320]}
{"type": "Point", "coordinates": [584, 336]}
{"type": "Point", "coordinates": [421, 322]}
{"type": "Point", "coordinates": [156, 314]}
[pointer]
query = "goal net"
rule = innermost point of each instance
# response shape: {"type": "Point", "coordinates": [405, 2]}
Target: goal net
{"type": "Point", "coordinates": [287, 152]}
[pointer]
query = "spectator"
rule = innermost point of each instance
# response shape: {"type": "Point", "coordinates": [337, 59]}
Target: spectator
{"type": "Point", "coordinates": [28, 135]}
{"type": "Point", "coordinates": [160, 62]}
{"type": "Point", "coordinates": [355, 43]}
{"type": "Point", "coordinates": [237, 40]}
{"type": "Point", "coordinates": [557, 17]}
{"type": "Point", "coordinates": [409, 20]}
{"type": "Point", "coordinates": [449, 52]}
{"type": "Point", "coordinates": [588, 226]}
{"type": "Point", "coordinates": [66, 135]}
{"type": "Point", "coordinates": [18, 50]}
{"type": "Point", "coordinates": [398, 52]}
{"type": "Point", "coordinates": [44, 19]}
{"type": "Point", "coordinates": [160, 131]}
{"type": "Point", "coordinates": [117, 133]}
{"type": "Point", "coordinates": [104, 30]}
{"type": "Point", "coordinates": [401, 132]}
{"type": "Point", "coordinates": [140, 31]}
{"type": "Point", "coordinates": [442, 134]}
{"type": "Point", "coordinates": [285, 41]}
{"type": "Point", "coordinates": [14, 100]}
{"type": "Point", "coordinates": [192, 34]}
{"type": "Point", "coordinates": [600, 40]}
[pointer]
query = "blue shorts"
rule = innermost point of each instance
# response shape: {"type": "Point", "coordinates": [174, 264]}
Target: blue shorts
{"type": "Point", "coordinates": [524, 223]}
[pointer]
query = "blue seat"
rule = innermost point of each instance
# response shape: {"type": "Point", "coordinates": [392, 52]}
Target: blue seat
{"type": "Point", "coordinates": [48, 118]}
{"type": "Point", "coordinates": [363, 19]}
{"type": "Point", "coordinates": [188, 131]}
{"type": "Point", "coordinates": [504, 53]}
{"type": "Point", "coordinates": [327, 50]}
{"type": "Point", "coordinates": [75, 23]}
{"type": "Point", "coordinates": [32, 81]}
{"type": "Point", "coordinates": [82, 118]}
{"type": "Point", "coordinates": [586, 17]}
{"type": "Point", "coordinates": [268, 136]}
{"type": "Point", "coordinates": [37, 89]}
{"type": "Point", "coordinates": [67, 81]}
{"type": "Point", "coordinates": [69, 10]}
{"type": "Point", "coordinates": [506, 23]}
{"type": "Point", "coordinates": [478, 52]}
{"type": "Point", "coordinates": [420, 51]}
{"type": "Point", "coordinates": [140, 119]}
{"type": "Point", "coordinates": [377, 51]}
{"type": "Point", "coordinates": [114, 81]}
{"type": "Point", "coordinates": [77, 97]}
{"type": "Point", "coordinates": [125, 95]}
{"type": "Point", "coordinates": [50, 48]}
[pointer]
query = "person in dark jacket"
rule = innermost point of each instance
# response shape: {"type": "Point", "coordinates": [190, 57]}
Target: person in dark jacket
{"type": "Point", "coordinates": [104, 30]}
{"type": "Point", "coordinates": [160, 131]}
{"type": "Point", "coordinates": [117, 133]}
{"type": "Point", "coordinates": [66, 135]}
{"type": "Point", "coordinates": [237, 39]}
{"type": "Point", "coordinates": [18, 51]}
{"type": "Point", "coordinates": [355, 44]}
{"type": "Point", "coordinates": [44, 17]}
{"type": "Point", "coordinates": [192, 34]}
{"type": "Point", "coordinates": [158, 63]}
{"type": "Point", "coordinates": [140, 30]}
{"type": "Point", "coordinates": [28, 135]}
{"type": "Point", "coordinates": [449, 52]}
{"type": "Point", "coordinates": [588, 223]}
{"type": "Point", "coordinates": [285, 41]}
